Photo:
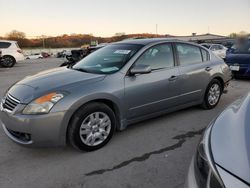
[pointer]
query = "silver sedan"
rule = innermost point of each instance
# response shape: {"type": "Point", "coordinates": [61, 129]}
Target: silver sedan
{"type": "Point", "coordinates": [118, 85]}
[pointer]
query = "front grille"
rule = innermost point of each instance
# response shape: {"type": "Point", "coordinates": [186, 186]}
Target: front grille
{"type": "Point", "coordinates": [10, 103]}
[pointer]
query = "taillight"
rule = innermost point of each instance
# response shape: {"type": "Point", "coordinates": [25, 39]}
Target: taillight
{"type": "Point", "coordinates": [19, 51]}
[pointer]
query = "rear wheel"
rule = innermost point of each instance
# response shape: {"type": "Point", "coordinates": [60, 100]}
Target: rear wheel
{"type": "Point", "coordinates": [91, 127]}
{"type": "Point", "coordinates": [213, 94]}
{"type": "Point", "coordinates": [8, 61]}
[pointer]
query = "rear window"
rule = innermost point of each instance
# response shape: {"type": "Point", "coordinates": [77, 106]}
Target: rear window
{"type": "Point", "coordinates": [241, 49]}
{"type": "Point", "coordinates": [188, 54]}
{"type": "Point", "coordinates": [5, 44]}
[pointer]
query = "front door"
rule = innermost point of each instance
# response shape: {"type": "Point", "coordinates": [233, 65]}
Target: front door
{"type": "Point", "coordinates": [155, 91]}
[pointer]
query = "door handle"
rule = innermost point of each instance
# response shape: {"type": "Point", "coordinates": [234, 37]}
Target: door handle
{"type": "Point", "coordinates": [173, 78]}
{"type": "Point", "coordinates": [208, 69]}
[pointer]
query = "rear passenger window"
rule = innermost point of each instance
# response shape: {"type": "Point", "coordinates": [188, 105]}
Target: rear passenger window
{"type": "Point", "coordinates": [205, 55]}
{"type": "Point", "coordinates": [5, 44]}
{"type": "Point", "coordinates": [158, 57]}
{"type": "Point", "coordinates": [188, 54]}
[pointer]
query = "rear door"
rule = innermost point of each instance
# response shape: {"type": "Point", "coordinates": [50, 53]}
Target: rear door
{"type": "Point", "coordinates": [155, 91]}
{"type": "Point", "coordinates": [195, 67]}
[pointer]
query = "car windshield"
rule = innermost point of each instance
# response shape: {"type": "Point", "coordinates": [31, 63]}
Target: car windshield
{"type": "Point", "coordinates": [108, 60]}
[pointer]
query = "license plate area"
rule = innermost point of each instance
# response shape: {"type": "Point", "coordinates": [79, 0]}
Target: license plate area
{"type": "Point", "coordinates": [235, 67]}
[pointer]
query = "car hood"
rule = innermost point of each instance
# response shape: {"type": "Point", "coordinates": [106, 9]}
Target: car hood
{"type": "Point", "coordinates": [52, 80]}
{"type": "Point", "coordinates": [230, 139]}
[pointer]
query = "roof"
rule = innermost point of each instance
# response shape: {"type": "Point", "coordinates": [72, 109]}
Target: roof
{"type": "Point", "coordinates": [146, 41]}
{"type": "Point", "coordinates": [8, 41]}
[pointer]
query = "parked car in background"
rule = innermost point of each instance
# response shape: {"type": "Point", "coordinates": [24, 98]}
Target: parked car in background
{"type": "Point", "coordinates": [11, 53]}
{"type": "Point", "coordinates": [238, 59]}
{"type": "Point", "coordinates": [45, 54]}
{"type": "Point", "coordinates": [222, 157]}
{"type": "Point", "coordinates": [77, 55]}
{"type": "Point", "coordinates": [63, 53]}
{"type": "Point", "coordinates": [34, 56]}
{"type": "Point", "coordinates": [217, 49]}
{"type": "Point", "coordinates": [119, 84]}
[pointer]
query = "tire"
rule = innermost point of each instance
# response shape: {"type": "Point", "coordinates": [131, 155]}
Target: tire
{"type": "Point", "coordinates": [86, 121]}
{"type": "Point", "coordinates": [213, 94]}
{"type": "Point", "coordinates": [8, 61]}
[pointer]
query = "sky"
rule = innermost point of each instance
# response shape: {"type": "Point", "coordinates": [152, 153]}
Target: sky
{"type": "Point", "coordinates": [107, 17]}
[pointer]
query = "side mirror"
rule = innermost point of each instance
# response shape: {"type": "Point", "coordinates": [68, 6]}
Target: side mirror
{"type": "Point", "coordinates": [140, 69]}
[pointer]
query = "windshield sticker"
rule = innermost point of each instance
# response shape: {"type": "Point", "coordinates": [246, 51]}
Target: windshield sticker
{"type": "Point", "coordinates": [125, 52]}
{"type": "Point", "coordinates": [109, 69]}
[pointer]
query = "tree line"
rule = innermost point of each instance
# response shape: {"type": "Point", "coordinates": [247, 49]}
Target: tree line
{"type": "Point", "coordinates": [73, 40]}
{"type": "Point", "coordinates": [77, 40]}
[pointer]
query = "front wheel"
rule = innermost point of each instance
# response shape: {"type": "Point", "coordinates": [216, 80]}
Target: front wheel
{"type": "Point", "coordinates": [91, 127]}
{"type": "Point", "coordinates": [212, 95]}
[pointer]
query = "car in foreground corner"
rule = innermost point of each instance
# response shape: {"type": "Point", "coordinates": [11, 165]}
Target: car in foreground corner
{"type": "Point", "coordinates": [238, 59]}
{"type": "Point", "coordinates": [117, 85]}
{"type": "Point", "coordinates": [11, 53]}
{"type": "Point", "coordinates": [217, 49]}
{"type": "Point", "coordinates": [222, 157]}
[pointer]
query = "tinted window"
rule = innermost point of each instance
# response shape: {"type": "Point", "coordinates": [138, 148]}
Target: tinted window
{"type": "Point", "coordinates": [205, 55]}
{"type": "Point", "coordinates": [158, 57]}
{"type": "Point", "coordinates": [5, 44]}
{"type": "Point", "coordinates": [107, 60]}
{"type": "Point", "coordinates": [188, 54]}
{"type": "Point", "coordinates": [241, 49]}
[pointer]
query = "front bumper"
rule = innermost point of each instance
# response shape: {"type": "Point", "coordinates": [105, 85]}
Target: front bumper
{"type": "Point", "coordinates": [34, 130]}
{"type": "Point", "coordinates": [191, 181]}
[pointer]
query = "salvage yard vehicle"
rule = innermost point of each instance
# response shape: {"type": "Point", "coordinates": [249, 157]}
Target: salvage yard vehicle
{"type": "Point", "coordinates": [238, 58]}
{"type": "Point", "coordinates": [217, 49]}
{"type": "Point", "coordinates": [34, 56]}
{"type": "Point", "coordinates": [222, 157]}
{"type": "Point", "coordinates": [11, 53]}
{"type": "Point", "coordinates": [120, 84]}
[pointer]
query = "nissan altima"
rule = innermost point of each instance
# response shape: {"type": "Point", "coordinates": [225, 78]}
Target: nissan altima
{"type": "Point", "coordinates": [222, 157]}
{"type": "Point", "coordinates": [118, 85]}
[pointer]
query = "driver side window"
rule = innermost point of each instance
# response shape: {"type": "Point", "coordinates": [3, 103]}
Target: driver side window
{"type": "Point", "coordinates": [157, 57]}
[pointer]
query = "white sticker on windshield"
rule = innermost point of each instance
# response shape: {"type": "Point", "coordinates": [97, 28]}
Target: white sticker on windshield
{"type": "Point", "coordinates": [122, 52]}
{"type": "Point", "coordinates": [110, 69]}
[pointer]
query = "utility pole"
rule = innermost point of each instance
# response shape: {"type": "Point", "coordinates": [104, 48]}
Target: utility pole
{"type": "Point", "coordinates": [43, 38]}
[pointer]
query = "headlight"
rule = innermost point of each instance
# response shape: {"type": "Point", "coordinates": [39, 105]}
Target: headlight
{"type": "Point", "coordinates": [43, 104]}
{"type": "Point", "coordinates": [205, 169]}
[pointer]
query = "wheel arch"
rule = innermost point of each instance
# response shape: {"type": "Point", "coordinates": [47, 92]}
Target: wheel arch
{"type": "Point", "coordinates": [220, 79]}
{"type": "Point", "coordinates": [8, 55]}
{"type": "Point", "coordinates": [110, 103]}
